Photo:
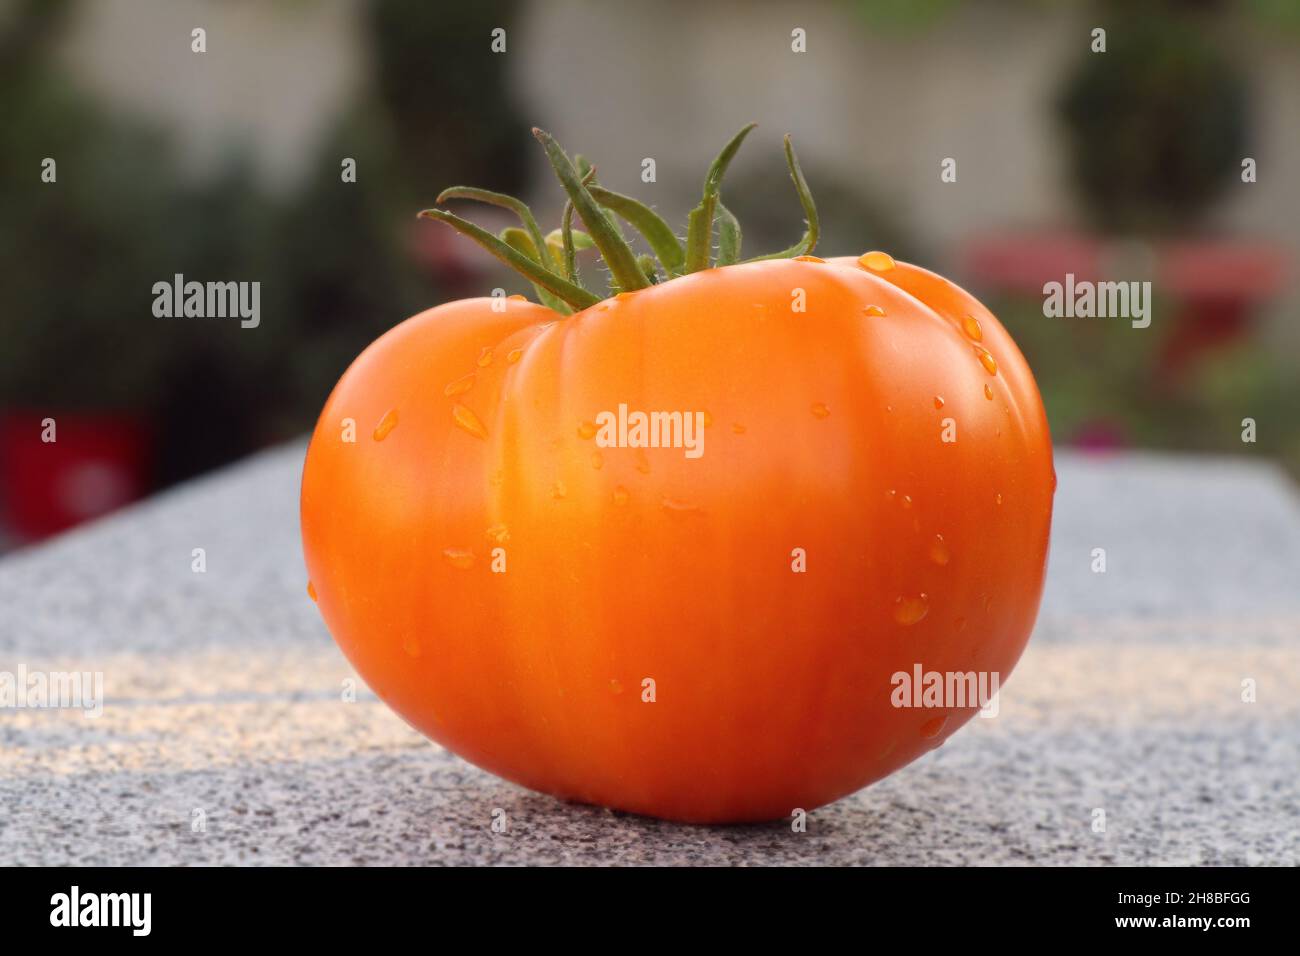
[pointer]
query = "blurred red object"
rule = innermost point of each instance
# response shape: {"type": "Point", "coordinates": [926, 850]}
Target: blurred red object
{"type": "Point", "coordinates": [1022, 263]}
{"type": "Point", "coordinates": [94, 465]}
{"type": "Point", "coordinates": [1100, 436]}
{"type": "Point", "coordinates": [1221, 286]}
{"type": "Point", "coordinates": [1216, 286]}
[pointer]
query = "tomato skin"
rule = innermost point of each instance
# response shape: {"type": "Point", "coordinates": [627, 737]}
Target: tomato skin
{"type": "Point", "coordinates": [771, 688]}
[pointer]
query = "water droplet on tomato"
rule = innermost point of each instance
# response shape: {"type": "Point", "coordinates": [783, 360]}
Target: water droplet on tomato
{"type": "Point", "coordinates": [933, 727]}
{"type": "Point", "coordinates": [971, 326]}
{"type": "Point", "coordinates": [460, 386]}
{"type": "Point", "coordinates": [587, 430]}
{"type": "Point", "coordinates": [988, 392]}
{"type": "Point", "coordinates": [499, 533]}
{"type": "Point", "coordinates": [514, 355]}
{"type": "Point", "coordinates": [311, 590]}
{"type": "Point", "coordinates": [642, 463]}
{"type": "Point", "coordinates": [485, 358]}
{"type": "Point", "coordinates": [938, 401]}
{"type": "Point", "coordinates": [678, 506]}
{"type": "Point", "coordinates": [462, 558]}
{"type": "Point", "coordinates": [939, 552]}
{"type": "Point", "coordinates": [909, 610]}
{"type": "Point", "coordinates": [877, 261]}
{"type": "Point", "coordinates": [873, 310]}
{"type": "Point", "coordinates": [997, 499]}
{"type": "Point", "coordinates": [820, 410]}
{"type": "Point", "coordinates": [905, 501]}
{"type": "Point", "coordinates": [386, 425]}
{"type": "Point", "coordinates": [559, 490]}
{"type": "Point", "coordinates": [809, 259]}
{"type": "Point", "coordinates": [708, 419]}
{"type": "Point", "coordinates": [615, 687]}
{"type": "Point", "coordinates": [737, 428]}
{"type": "Point", "coordinates": [468, 421]}
{"type": "Point", "coordinates": [990, 364]}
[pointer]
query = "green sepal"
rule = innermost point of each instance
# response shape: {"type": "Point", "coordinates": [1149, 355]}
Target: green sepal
{"type": "Point", "coordinates": [728, 236]}
{"type": "Point", "coordinates": [657, 233]}
{"type": "Point", "coordinates": [699, 225]}
{"type": "Point", "coordinates": [564, 290]}
{"type": "Point", "coordinates": [617, 254]}
{"type": "Point", "coordinates": [517, 206]}
{"type": "Point", "coordinates": [809, 241]}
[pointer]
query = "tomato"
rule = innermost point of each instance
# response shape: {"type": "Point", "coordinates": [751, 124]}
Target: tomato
{"type": "Point", "coordinates": [709, 637]}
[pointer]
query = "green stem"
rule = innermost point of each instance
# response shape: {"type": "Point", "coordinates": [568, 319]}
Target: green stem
{"type": "Point", "coordinates": [648, 268]}
{"type": "Point", "coordinates": [518, 207]}
{"type": "Point", "coordinates": [613, 247]}
{"type": "Point", "coordinates": [567, 235]}
{"type": "Point", "coordinates": [657, 233]}
{"type": "Point", "coordinates": [570, 251]}
{"type": "Point", "coordinates": [550, 262]}
{"type": "Point", "coordinates": [574, 295]}
{"type": "Point", "coordinates": [699, 225]}
{"type": "Point", "coordinates": [555, 239]}
{"type": "Point", "coordinates": [728, 236]}
{"type": "Point", "coordinates": [809, 241]}
{"type": "Point", "coordinates": [519, 240]}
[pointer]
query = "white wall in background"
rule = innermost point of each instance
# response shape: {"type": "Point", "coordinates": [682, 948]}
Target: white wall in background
{"type": "Point", "coordinates": [272, 79]}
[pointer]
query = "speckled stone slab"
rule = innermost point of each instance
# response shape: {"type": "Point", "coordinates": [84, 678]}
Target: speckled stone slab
{"type": "Point", "coordinates": [223, 705]}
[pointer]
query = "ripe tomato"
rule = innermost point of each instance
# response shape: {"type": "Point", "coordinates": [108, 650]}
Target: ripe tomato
{"type": "Point", "coordinates": [706, 638]}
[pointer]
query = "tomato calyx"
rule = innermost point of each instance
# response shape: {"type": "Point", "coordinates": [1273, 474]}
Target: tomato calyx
{"type": "Point", "coordinates": [549, 262]}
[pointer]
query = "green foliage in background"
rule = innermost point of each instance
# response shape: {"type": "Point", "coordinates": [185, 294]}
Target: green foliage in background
{"type": "Point", "coordinates": [1101, 376]}
{"type": "Point", "coordinates": [1157, 124]}
{"type": "Point", "coordinates": [437, 113]}
{"type": "Point", "coordinates": [445, 102]}
{"type": "Point", "coordinates": [335, 260]}
{"type": "Point", "coordinates": [63, 298]}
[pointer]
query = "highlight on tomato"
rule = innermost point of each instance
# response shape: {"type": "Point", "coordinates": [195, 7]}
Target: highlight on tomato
{"type": "Point", "coordinates": [705, 537]}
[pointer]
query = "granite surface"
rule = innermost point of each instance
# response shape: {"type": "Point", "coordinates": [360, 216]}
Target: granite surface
{"type": "Point", "coordinates": [224, 705]}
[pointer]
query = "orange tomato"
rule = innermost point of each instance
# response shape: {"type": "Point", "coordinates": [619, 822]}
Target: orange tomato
{"type": "Point", "coordinates": [708, 638]}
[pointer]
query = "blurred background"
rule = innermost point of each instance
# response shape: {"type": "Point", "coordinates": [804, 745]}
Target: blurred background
{"type": "Point", "coordinates": [225, 165]}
